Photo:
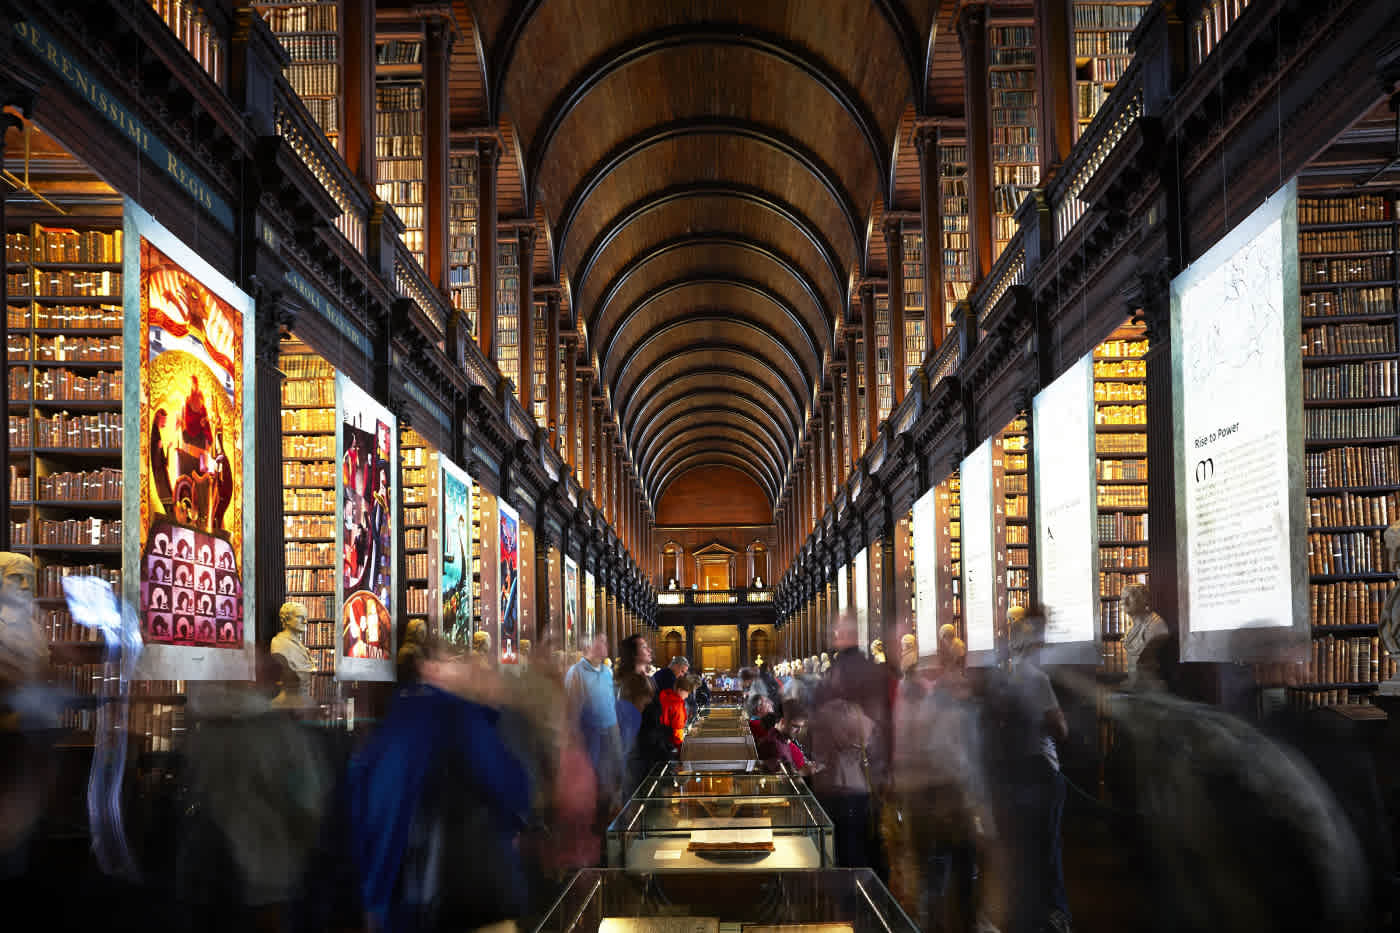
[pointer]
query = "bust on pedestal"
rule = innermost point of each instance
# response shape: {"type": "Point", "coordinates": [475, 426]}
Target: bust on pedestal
{"type": "Point", "coordinates": [298, 665]}
{"type": "Point", "coordinates": [1144, 634]}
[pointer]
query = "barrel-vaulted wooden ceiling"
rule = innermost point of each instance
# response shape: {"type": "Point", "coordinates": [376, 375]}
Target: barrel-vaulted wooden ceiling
{"type": "Point", "coordinates": [709, 171]}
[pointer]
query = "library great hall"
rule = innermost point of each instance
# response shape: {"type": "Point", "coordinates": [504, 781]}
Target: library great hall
{"type": "Point", "coordinates": [717, 322]}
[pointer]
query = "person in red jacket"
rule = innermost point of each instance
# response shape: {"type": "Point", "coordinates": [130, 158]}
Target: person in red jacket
{"type": "Point", "coordinates": [673, 711]}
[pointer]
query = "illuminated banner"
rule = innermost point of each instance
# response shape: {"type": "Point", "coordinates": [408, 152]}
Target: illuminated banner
{"type": "Point", "coordinates": [925, 534]}
{"type": "Point", "coordinates": [367, 489]}
{"type": "Point", "coordinates": [590, 608]}
{"type": "Point", "coordinates": [570, 607]}
{"type": "Point", "coordinates": [508, 570]}
{"type": "Point", "coordinates": [1066, 516]}
{"type": "Point", "coordinates": [188, 517]}
{"type": "Point", "coordinates": [862, 598]}
{"type": "Point", "coordinates": [1236, 377]}
{"type": "Point", "coordinates": [978, 555]}
{"type": "Point", "coordinates": [456, 498]}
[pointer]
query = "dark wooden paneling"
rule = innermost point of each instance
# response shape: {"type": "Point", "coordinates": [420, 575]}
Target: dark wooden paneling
{"type": "Point", "coordinates": [713, 496]}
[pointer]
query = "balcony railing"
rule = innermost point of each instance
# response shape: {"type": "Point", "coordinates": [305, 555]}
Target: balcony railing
{"type": "Point", "coordinates": [738, 597]}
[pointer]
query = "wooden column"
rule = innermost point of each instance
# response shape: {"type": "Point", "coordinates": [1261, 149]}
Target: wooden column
{"type": "Point", "coordinates": [571, 402]}
{"type": "Point", "coordinates": [587, 413]}
{"type": "Point", "coordinates": [489, 158]}
{"type": "Point", "coordinates": [828, 463]}
{"type": "Point", "coordinates": [1054, 66]}
{"type": "Point", "coordinates": [931, 221]}
{"type": "Point", "coordinates": [843, 470]}
{"type": "Point", "coordinates": [818, 465]}
{"type": "Point", "coordinates": [872, 388]}
{"type": "Point", "coordinates": [525, 385]}
{"type": "Point", "coordinates": [357, 133]}
{"type": "Point", "coordinates": [551, 368]}
{"type": "Point", "coordinates": [894, 248]}
{"type": "Point", "coordinates": [852, 397]}
{"type": "Point", "coordinates": [437, 61]}
{"type": "Point", "coordinates": [972, 30]}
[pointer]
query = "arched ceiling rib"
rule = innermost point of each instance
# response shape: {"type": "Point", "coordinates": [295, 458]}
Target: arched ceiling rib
{"type": "Point", "coordinates": [711, 165]}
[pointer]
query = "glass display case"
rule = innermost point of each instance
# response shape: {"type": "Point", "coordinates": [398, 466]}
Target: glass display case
{"type": "Point", "coordinates": [669, 781]}
{"type": "Point", "coordinates": [840, 900]}
{"type": "Point", "coordinates": [720, 832]}
{"type": "Point", "coordinates": [711, 752]}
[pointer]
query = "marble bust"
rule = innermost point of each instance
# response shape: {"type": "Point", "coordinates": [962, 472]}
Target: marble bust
{"type": "Point", "coordinates": [1143, 631]}
{"type": "Point", "coordinates": [290, 645]}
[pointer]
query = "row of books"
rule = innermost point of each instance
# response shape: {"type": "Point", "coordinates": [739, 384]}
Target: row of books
{"type": "Point", "coordinates": [80, 317]}
{"type": "Point", "coordinates": [320, 635]}
{"type": "Point", "coordinates": [64, 283]}
{"type": "Point", "coordinates": [1348, 339]}
{"type": "Point", "coordinates": [1089, 44]}
{"type": "Point", "coordinates": [50, 577]}
{"type": "Point", "coordinates": [415, 539]}
{"type": "Point", "coordinates": [63, 385]}
{"type": "Point", "coordinates": [1122, 469]}
{"type": "Point", "coordinates": [1028, 153]}
{"type": "Point", "coordinates": [1122, 497]}
{"type": "Point", "coordinates": [1375, 299]}
{"type": "Point", "coordinates": [1359, 209]}
{"type": "Point", "coordinates": [1108, 16]}
{"type": "Point", "coordinates": [1341, 271]}
{"type": "Point", "coordinates": [156, 727]}
{"type": "Point", "coordinates": [1359, 659]}
{"type": "Point", "coordinates": [1016, 97]}
{"type": "Point", "coordinates": [325, 111]}
{"type": "Point", "coordinates": [308, 474]}
{"type": "Point", "coordinates": [1013, 58]}
{"type": "Point", "coordinates": [306, 17]}
{"type": "Point", "coordinates": [1119, 557]}
{"type": "Point", "coordinates": [1111, 582]}
{"type": "Point", "coordinates": [416, 566]}
{"type": "Point", "coordinates": [1357, 240]}
{"type": "Point", "coordinates": [1120, 444]}
{"type": "Point", "coordinates": [1110, 415]}
{"type": "Point", "coordinates": [305, 367]}
{"type": "Point", "coordinates": [399, 52]}
{"type": "Point", "coordinates": [308, 526]}
{"type": "Point", "coordinates": [102, 484]}
{"type": "Point", "coordinates": [305, 554]}
{"type": "Point", "coordinates": [1106, 391]}
{"type": "Point", "coordinates": [1375, 379]}
{"type": "Point", "coordinates": [308, 500]}
{"type": "Point", "coordinates": [19, 534]}
{"type": "Point", "coordinates": [311, 48]}
{"type": "Point", "coordinates": [1324, 699]}
{"type": "Point", "coordinates": [1349, 602]}
{"type": "Point", "coordinates": [63, 244]}
{"type": "Point", "coordinates": [417, 515]}
{"type": "Point", "coordinates": [417, 601]}
{"type": "Point", "coordinates": [1122, 526]}
{"type": "Point", "coordinates": [59, 626]}
{"type": "Point", "coordinates": [67, 431]}
{"type": "Point", "coordinates": [1024, 175]}
{"type": "Point", "coordinates": [399, 122]}
{"type": "Point", "coordinates": [73, 532]}
{"type": "Point", "coordinates": [1088, 99]}
{"type": "Point", "coordinates": [314, 80]}
{"type": "Point", "coordinates": [1352, 466]}
{"type": "Point", "coordinates": [308, 445]}
{"type": "Point", "coordinates": [1011, 137]}
{"type": "Point", "coordinates": [1328, 424]}
{"type": "Point", "coordinates": [21, 487]}
{"type": "Point", "coordinates": [399, 147]}
{"type": "Point", "coordinates": [1124, 369]}
{"type": "Point", "coordinates": [302, 581]}
{"type": "Point", "coordinates": [308, 419]}
{"type": "Point", "coordinates": [1016, 483]}
{"type": "Point", "coordinates": [1108, 70]}
{"type": "Point", "coordinates": [398, 96]}
{"type": "Point", "coordinates": [307, 392]}
{"type": "Point", "coordinates": [1344, 552]}
{"type": "Point", "coordinates": [1014, 116]}
{"type": "Point", "coordinates": [1114, 661]}
{"type": "Point", "coordinates": [319, 607]}
{"type": "Point", "coordinates": [1352, 509]}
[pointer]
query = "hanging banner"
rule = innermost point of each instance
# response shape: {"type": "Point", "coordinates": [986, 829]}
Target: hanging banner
{"type": "Point", "coordinates": [367, 489]}
{"type": "Point", "coordinates": [925, 535]}
{"type": "Point", "coordinates": [978, 556]}
{"type": "Point", "coordinates": [570, 608]}
{"type": "Point", "coordinates": [1066, 516]}
{"type": "Point", "coordinates": [509, 577]}
{"type": "Point", "coordinates": [456, 498]}
{"type": "Point", "coordinates": [590, 609]}
{"type": "Point", "coordinates": [188, 517]}
{"type": "Point", "coordinates": [862, 598]}
{"type": "Point", "coordinates": [1236, 337]}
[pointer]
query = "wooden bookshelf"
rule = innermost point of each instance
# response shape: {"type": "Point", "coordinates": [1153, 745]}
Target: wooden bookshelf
{"type": "Point", "coordinates": [948, 518]}
{"type": "Point", "coordinates": [462, 184]}
{"type": "Point", "coordinates": [398, 119]}
{"type": "Point", "coordinates": [507, 348]}
{"type": "Point", "coordinates": [957, 240]}
{"type": "Point", "coordinates": [1349, 277]}
{"type": "Point", "coordinates": [1102, 31]}
{"type": "Point", "coordinates": [1015, 122]}
{"type": "Point", "coordinates": [421, 546]}
{"type": "Point", "coordinates": [884, 387]}
{"type": "Point", "coordinates": [539, 359]}
{"type": "Point", "coordinates": [310, 32]}
{"type": "Point", "coordinates": [1013, 513]}
{"type": "Point", "coordinates": [859, 428]}
{"type": "Point", "coordinates": [308, 496]}
{"type": "Point", "coordinates": [913, 271]}
{"type": "Point", "coordinates": [1121, 467]}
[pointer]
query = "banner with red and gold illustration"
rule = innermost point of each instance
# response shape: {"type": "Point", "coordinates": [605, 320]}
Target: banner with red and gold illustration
{"type": "Point", "coordinates": [188, 514]}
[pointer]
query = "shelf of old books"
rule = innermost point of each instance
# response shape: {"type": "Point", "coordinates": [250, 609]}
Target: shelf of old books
{"type": "Point", "coordinates": [1013, 513]}
{"type": "Point", "coordinates": [913, 270]}
{"type": "Point", "coordinates": [715, 899]}
{"type": "Point", "coordinates": [883, 386]}
{"type": "Point", "coordinates": [539, 362]}
{"type": "Point", "coordinates": [957, 238]}
{"type": "Point", "coordinates": [1120, 451]}
{"type": "Point", "coordinates": [64, 310]}
{"type": "Point", "coordinates": [1015, 121]}
{"type": "Point", "coordinates": [462, 214]}
{"type": "Point", "coordinates": [310, 34]}
{"type": "Point", "coordinates": [507, 348]}
{"type": "Point", "coordinates": [1351, 399]}
{"type": "Point", "coordinates": [686, 833]}
{"type": "Point", "coordinates": [948, 524]}
{"type": "Point", "coordinates": [309, 501]}
{"type": "Point", "coordinates": [422, 523]}
{"type": "Point", "coordinates": [192, 27]}
{"type": "Point", "coordinates": [1102, 51]}
{"type": "Point", "coordinates": [398, 126]}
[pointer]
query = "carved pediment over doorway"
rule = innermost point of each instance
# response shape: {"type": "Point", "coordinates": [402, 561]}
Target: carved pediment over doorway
{"type": "Point", "coordinates": [714, 566]}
